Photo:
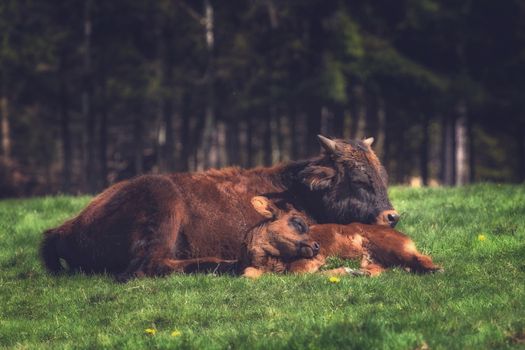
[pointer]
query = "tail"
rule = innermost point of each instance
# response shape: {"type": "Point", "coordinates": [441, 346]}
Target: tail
{"type": "Point", "coordinates": [49, 252]}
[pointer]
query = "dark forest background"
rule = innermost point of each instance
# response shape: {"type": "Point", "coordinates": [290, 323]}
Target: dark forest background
{"type": "Point", "coordinates": [92, 92]}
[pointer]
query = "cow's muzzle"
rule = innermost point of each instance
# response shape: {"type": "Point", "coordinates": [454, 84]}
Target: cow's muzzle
{"type": "Point", "coordinates": [388, 218]}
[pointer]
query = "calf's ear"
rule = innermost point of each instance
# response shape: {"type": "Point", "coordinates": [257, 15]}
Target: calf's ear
{"type": "Point", "coordinates": [317, 177]}
{"type": "Point", "coordinates": [264, 207]}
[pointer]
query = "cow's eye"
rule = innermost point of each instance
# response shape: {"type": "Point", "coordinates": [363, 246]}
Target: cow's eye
{"type": "Point", "coordinates": [361, 182]}
{"type": "Point", "coordinates": [360, 178]}
{"type": "Point", "coordinates": [299, 225]}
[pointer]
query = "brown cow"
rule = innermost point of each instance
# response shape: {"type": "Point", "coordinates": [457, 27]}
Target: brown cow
{"type": "Point", "coordinates": [135, 227]}
{"type": "Point", "coordinates": [377, 247]}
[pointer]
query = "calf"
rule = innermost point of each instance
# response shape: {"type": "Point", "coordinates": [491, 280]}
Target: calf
{"type": "Point", "coordinates": [377, 247]}
{"type": "Point", "coordinates": [276, 243]}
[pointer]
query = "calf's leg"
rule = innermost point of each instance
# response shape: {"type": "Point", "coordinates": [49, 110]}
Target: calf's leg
{"type": "Point", "coordinates": [208, 264]}
{"type": "Point", "coordinates": [313, 265]}
{"type": "Point", "coordinates": [405, 254]}
{"type": "Point", "coordinates": [423, 264]}
{"type": "Point", "coordinates": [253, 272]}
{"type": "Point", "coordinates": [307, 265]}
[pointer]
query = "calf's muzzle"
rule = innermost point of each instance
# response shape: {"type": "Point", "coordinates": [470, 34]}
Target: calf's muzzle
{"type": "Point", "coordinates": [308, 249]}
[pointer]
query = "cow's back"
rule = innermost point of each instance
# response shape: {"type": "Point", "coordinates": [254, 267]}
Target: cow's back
{"type": "Point", "coordinates": [218, 212]}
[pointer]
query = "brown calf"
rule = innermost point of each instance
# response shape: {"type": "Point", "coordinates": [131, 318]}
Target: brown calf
{"type": "Point", "coordinates": [377, 247]}
{"type": "Point", "coordinates": [276, 243]}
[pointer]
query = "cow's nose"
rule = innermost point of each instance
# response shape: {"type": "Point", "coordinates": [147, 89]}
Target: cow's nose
{"type": "Point", "coordinates": [387, 218]}
{"type": "Point", "coordinates": [316, 247]}
{"type": "Point", "coordinates": [392, 218]}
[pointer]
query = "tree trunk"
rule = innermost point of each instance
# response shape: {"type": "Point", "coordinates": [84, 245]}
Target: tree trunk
{"type": "Point", "coordinates": [327, 122]}
{"type": "Point", "coordinates": [448, 155]}
{"type": "Point", "coordinates": [199, 134]}
{"type": "Point", "coordinates": [360, 113]}
{"type": "Point", "coordinates": [520, 138]}
{"type": "Point", "coordinates": [65, 129]}
{"type": "Point", "coordinates": [160, 142]}
{"type": "Point", "coordinates": [267, 141]}
{"type": "Point", "coordinates": [294, 133]}
{"type": "Point", "coordinates": [235, 141]}
{"type": "Point", "coordinates": [6, 133]}
{"type": "Point", "coordinates": [314, 129]}
{"type": "Point", "coordinates": [275, 136]}
{"type": "Point", "coordinates": [168, 151]}
{"type": "Point", "coordinates": [243, 142]}
{"type": "Point", "coordinates": [347, 124]}
{"type": "Point", "coordinates": [285, 136]}
{"type": "Point", "coordinates": [471, 150]}
{"type": "Point", "coordinates": [272, 14]}
{"type": "Point", "coordinates": [138, 147]}
{"type": "Point", "coordinates": [379, 144]}
{"type": "Point", "coordinates": [423, 151]}
{"type": "Point", "coordinates": [387, 149]}
{"type": "Point", "coordinates": [401, 159]}
{"type": "Point", "coordinates": [187, 143]}
{"type": "Point", "coordinates": [166, 142]}
{"type": "Point", "coordinates": [222, 154]}
{"type": "Point", "coordinates": [103, 134]}
{"type": "Point", "coordinates": [462, 157]}
{"type": "Point", "coordinates": [87, 113]}
{"type": "Point", "coordinates": [209, 153]}
{"type": "Point", "coordinates": [250, 141]}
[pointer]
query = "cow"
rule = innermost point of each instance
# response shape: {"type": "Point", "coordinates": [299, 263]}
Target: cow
{"type": "Point", "coordinates": [135, 227]}
{"type": "Point", "coordinates": [284, 243]}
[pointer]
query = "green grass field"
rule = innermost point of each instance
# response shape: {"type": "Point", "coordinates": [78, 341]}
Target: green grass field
{"type": "Point", "coordinates": [476, 233]}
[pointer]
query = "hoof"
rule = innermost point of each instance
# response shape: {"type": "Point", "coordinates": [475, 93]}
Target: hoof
{"type": "Point", "coordinates": [124, 277]}
{"type": "Point", "coordinates": [354, 272]}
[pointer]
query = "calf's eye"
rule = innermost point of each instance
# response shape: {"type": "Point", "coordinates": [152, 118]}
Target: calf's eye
{"type": "Point", "coordinates": [298, 224]}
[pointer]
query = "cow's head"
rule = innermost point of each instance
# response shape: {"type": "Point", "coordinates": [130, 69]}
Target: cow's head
{"type": "Point", "coordinates": [351, 182]}
{"type": "Point", "coordinates": [285, 234]}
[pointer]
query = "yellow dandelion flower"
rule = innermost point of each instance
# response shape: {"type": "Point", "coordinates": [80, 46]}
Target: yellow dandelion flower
{"type": "Point", "coordinates": [334, 279]}
{"type": "Point", "coordinates": [150, 331]}
{"type": "Point", "coordinates": [176, 333]}
{"type": "Point", "coordinates": [481, 238]}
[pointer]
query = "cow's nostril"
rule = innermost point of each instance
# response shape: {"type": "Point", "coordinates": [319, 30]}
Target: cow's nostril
{"type": "Point", "coordinates": [392, 218]}
{"type": "Point", "coordinates": [315, 246]}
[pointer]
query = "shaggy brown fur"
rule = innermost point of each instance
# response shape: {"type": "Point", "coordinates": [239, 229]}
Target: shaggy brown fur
{"type": "Point", "coordinates": [150, 224]}
{"type": "Point", "coordinates": [377, 247]}
{"type": "Point", "coordinates": [277, 242]}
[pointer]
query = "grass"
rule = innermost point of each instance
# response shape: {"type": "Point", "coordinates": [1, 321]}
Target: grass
{"type": "Point", "coordinates": [479, 302]}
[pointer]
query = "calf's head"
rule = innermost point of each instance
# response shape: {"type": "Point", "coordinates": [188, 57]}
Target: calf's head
{"type": "Point", "coordinates": [351, 182]}
{"type": "Point", "coordinates": [284, 234]}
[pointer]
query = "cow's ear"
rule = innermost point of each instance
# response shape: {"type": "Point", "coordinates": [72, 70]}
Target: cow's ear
{"type": "Point", "coordinates": [368, 142]}
{"type": "Point", "coordinates": [264, 207]}
{"type": "Point", "coordinates": [317, 177]}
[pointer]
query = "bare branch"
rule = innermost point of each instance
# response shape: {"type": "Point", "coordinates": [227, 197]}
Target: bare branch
{"type": "Point", "coordinates": [191, 12]}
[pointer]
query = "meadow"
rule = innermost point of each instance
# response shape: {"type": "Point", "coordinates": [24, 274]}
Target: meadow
{"type": "Point", "coordinates": [477, 233]}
